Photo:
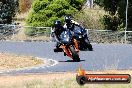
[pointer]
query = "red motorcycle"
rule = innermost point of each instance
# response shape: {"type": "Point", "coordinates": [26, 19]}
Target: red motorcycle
{"type": "Point", "coordinates": [69, 46]}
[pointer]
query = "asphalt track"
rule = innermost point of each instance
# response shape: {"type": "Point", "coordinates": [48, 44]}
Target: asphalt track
{"type": "Point", "coordinates": [104, 56]}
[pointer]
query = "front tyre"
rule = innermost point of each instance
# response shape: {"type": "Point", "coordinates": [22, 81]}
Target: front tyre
{"type": "Point", "coordinates": [75, 56]}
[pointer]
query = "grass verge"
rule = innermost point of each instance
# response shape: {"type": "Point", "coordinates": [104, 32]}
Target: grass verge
{"type": "Point", "coordinates": [56, 80]}
{"type": "Point", "coordinates": [11, 61]}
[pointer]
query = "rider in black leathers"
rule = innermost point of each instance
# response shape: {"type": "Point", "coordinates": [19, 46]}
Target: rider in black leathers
{"type": "Point", "coordinates": [69, 23]}
{"type": "Point", "coordinates": [57, 29]}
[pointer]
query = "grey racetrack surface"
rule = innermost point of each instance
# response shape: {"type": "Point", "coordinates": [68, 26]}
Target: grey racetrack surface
{"type": "Point", "coordinates": [104, 56]}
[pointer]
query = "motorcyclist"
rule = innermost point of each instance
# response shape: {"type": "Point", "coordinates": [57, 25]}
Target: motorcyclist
{"type": "Point", "coordinates": [69, 23]}
{"type": "Point", "coordinates": [57, 29]}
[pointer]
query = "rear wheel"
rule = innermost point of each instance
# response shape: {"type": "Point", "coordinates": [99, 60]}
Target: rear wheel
{"type": "Point", "coordinates": [75, 56]}
{"type": "Point", "coordinates": [88, 45]}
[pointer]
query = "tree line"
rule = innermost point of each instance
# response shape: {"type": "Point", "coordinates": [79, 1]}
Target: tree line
{"type": "Point", "coordinates": [116, 17]}
{"type": "Point", "coordinates": [43, 12]}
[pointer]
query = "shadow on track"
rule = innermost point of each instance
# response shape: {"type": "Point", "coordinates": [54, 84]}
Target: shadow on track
{"type": "Point", "coordinates": [70, 61]}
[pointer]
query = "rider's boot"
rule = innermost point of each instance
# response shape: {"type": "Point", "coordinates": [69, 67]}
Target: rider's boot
{"type": "Point", "coordinates": [57, 49]}
{"type": "Point", "coordinates": [64, 54]}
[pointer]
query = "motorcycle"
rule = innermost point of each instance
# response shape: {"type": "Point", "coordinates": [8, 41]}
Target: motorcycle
{"type": "Point", "coordinates": [80, 35]}
{"type": "Point", "coordinates": [69, 45]}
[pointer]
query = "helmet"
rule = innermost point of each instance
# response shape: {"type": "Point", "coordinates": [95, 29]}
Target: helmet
{"type": "Point", "coordinates": [68, 19]}
{"type": "Point", "coordinates": [56, 23]}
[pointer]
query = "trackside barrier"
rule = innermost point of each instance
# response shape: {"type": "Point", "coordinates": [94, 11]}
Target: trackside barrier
{"type": "Point", "coordinates": [95, 36]}
{"type": "Point", "coordinates": [7, 31]}
{"type": "Point", "coordinates": [107, 36]}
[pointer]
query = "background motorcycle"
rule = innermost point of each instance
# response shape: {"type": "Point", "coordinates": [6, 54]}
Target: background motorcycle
{"type": "Point", "coordinates": [69, 45]}
{"type": "Point", "coordinates": [80, 35]}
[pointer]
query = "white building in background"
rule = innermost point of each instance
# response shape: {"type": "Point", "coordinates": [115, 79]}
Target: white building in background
{"type": "Point", "coordinates": [89, 3]}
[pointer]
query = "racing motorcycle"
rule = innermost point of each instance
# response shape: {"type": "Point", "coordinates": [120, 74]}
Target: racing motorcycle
{"type": "Point", "coordinates": [80, 35]}
{"type": "Point", "coordinates": [69, 45]}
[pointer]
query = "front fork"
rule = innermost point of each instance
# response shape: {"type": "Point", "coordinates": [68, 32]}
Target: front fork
{"type": "Point", "coordinates": [66, 50]}
{"type": "Point", "coordinates": [76, 45]}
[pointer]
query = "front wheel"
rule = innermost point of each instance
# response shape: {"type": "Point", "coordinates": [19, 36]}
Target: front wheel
{"type": "Point", "coordinates": [75, 56]}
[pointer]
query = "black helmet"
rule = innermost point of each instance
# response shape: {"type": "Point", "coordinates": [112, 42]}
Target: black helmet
{"type": "Point", "coordinates": [68, 19]}
{"type": "Point", "coordinates": [56, 23]}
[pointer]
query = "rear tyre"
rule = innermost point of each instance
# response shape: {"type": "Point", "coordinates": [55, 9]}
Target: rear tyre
{"type": "Point", "coordinates": [75, 56]}
{"type": "Point", "coordinates": [88, 45]}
